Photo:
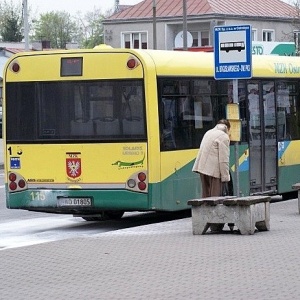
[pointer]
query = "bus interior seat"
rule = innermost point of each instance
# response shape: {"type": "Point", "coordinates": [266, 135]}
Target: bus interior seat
{"type": "Point", "coordinates": [107, 126]}
{"type": "Point", "coordinates": [78, 127]}
{"type": "Point", "coordinates": [133, 127]}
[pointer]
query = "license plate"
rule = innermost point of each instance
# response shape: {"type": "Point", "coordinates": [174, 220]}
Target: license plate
{"type": "Point", "coordinates": [85, 201]}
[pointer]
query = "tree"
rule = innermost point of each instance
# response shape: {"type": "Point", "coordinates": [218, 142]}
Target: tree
{"type": "Point", "coordinates": [10, 22]}
{"type": "Point", "coordinates": [56, 27]}
{"type": "Point", "coordinates": [295, 26]}
{"type": "Point", "coordinates": [90, 29]}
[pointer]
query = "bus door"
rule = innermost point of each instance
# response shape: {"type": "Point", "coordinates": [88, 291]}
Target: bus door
{"type": "Point", "coordinates": [262, 137]}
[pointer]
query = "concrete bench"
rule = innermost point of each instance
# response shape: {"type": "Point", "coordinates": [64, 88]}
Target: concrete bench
{"type": "Point", "coordinates": [245, 212]}
{"type": "Point", "coordinates": [297, 187]}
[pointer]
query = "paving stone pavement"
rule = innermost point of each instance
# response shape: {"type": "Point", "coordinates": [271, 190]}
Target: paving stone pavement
{"type": "Point", "coordinates": [161, 261]}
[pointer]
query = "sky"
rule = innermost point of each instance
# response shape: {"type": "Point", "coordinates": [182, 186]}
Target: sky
{"type": "Point", "coordinates": [72, 6]}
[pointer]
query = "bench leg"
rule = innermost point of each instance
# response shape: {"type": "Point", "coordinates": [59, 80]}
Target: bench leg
{"type": "Point", "coordinates": [200, 227]}
{"type": "Point", "coordinates": [246, 227]}
{"type": "Point", "coordinates": [245, 223]}
{"type": "Point", "coordinates": [265, 224]}
{"type": "Point", "coordinates": [199, 222]}
{"type": "Point", "coordinates": [262, 225]}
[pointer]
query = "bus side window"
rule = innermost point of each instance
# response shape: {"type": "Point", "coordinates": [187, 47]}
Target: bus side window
{"type": "Point", "coordinates": [168, 124]}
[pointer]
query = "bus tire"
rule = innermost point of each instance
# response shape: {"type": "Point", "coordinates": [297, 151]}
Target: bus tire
{"type": "Point", "coordinates": [106, 215]}
{"type": "Point", "coordinates": [114, 214]}
{"type": "Point", "coordinates": [90, 218]}
{"type": "Point", "coordinates": [98, 217]}
{"type": "Point", "coordinates": [289, 195]}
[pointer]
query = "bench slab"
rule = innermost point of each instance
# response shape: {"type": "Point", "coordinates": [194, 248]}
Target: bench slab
{"type": "Point", "coordinates": [297, 187]}
{"type": "Point", "coordinates": [247, 213]}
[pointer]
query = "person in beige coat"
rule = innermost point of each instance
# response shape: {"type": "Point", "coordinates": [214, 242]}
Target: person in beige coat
{"type": "Point", "coordinates": [212, 161]}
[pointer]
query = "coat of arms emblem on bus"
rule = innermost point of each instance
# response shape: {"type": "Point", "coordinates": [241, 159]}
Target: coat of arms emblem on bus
{"type": "Point", "coordinates": [73, 164]}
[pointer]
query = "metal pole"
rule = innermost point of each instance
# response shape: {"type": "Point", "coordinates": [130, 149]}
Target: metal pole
{"type": "Point", "coordinates": [154, 25]}
{"type": "Point", "coordinates": [236, 145]}
{"type": "Point", "coordinates": [26, 27]}
{"type": "Point", "coordinates": [296, 41]}
{"type": "Point", "coordinates": [184, 25]}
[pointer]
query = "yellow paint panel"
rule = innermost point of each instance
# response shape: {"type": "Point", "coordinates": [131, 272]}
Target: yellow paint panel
{"type": "Point", "coordinates": [291, 155]}
{"type": "Point", "coordinates": [173, 161]}
{"type": "Point", "coordinates": [242, 159]}
{"type": "Point", "coordinates": [47, 64]}
{"type": "Point", "coordinates": [96, 163]}
{"type": "Point", "coordinates": [202, 64]}
{"type": "Point", "coordinates": [47, 67]}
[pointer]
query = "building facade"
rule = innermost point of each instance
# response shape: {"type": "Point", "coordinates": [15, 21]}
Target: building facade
{"type": "Point", "coordinates": [135, 27]}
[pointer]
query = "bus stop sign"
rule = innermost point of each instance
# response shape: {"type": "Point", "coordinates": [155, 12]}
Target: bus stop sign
{"type": "Point", "coordinates": [232, 52]}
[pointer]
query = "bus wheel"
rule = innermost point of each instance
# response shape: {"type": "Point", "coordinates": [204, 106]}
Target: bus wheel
{"type": "Point", "coordinates": [114, 214]}
{"type": "Point", "coordinates": [290, 195]}
{"type": "Point", "coordinates": [93, 218]}
{"type": "Point", "coordinates": [106, 215]}
{"type": "Point", "coordinates": [98, 217]}
{"type": "Point", "coordinates": [88, 218]}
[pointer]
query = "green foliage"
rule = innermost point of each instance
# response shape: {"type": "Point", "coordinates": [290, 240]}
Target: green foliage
{"type": "Point", "coordinates": [56, 27]}
{"type": "Point", "coordinates": [90, 29]}
{"type": "Point", "coordinates": [10, 22]}
{"type": "Point", "coordinates": [60, 28]}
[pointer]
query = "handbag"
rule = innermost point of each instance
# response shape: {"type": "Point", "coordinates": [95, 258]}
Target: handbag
{"type": "Point", "coordinates": [225, 189]}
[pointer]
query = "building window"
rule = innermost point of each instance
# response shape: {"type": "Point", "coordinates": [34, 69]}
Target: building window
{"type": "Point", "coordinates": [268, 35]}
{"type": "Point", "coordinates": [254, 34]}
{"type": "Point", "coordinates": [200, 38]}
{"type": "Point", "coordinates": [204, 38]}
{"type": "Point", "coordinates": [195, 36]}
{"type": "Point", "coordinates": [135, 40]}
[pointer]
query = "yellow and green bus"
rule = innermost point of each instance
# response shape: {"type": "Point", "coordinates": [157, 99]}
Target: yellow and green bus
{"type": "Point", "coordinates": [104, 131]}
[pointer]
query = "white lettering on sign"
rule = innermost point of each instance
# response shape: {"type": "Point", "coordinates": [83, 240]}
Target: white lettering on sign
{"type": "Point", "coordinates": [233, 68]}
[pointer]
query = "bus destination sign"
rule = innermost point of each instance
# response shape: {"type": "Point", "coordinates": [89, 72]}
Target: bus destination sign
{"type": "Point", "coordinates": [71, 66]}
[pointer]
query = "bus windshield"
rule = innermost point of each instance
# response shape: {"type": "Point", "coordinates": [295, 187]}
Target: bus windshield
{"type": "Point", "coordinates": [75, 110]}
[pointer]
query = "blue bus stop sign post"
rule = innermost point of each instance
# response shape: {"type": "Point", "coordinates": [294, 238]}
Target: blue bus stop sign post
{"type": "Point", "coordinates": [233, 52]}
{"type": "Point", "coordinates": [232, 56]}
